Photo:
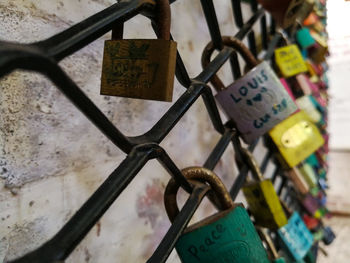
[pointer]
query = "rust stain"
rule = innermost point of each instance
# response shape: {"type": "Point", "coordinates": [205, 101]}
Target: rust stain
{"type": "Point", "coordinates": [98, 228]}
{"type": "Point", "coordinates": [190, 45]}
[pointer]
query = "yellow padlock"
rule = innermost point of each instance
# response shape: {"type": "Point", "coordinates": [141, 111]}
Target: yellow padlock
{"type": "Point", "coordinates": [296, 138]}
{"type": "Point", "coordinates": [290, 61]}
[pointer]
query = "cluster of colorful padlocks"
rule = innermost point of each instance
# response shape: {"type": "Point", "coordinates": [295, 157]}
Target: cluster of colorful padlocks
{"type": "Point", "coordinates": [286, 103]}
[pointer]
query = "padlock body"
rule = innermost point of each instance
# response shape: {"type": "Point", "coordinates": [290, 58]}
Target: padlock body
{"type": "Point", "coordinates": [296, 138]}
{"type": "Point", "coordinates": [306, 104]}
{"type": "Point", "coordinates": [304, 38]}
{"type": "Point", "coordinates": [328, 235]}
{"type": "Point", "coordinates": [309, 174]}
{"type": "Point", "coordinates": [139, 68]}
{"type": "Point", "coordinates": [298, 180]}
{"type": "Point", "coordinates": [264, 204]}
{"type": "Point", "coordinates": [311, 204]}
{"type": "Point", "coordinates": [256, 102]}
{"type": "Point", "coordinates": [226, 237]}
{"type": "Point", "coordinates": [290, 61]}
{"type": "Point", "coordinates": [295, 237]}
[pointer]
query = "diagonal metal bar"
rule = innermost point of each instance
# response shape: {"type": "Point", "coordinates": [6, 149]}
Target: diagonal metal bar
{"type": "Point", "coordinates": [181, 221]}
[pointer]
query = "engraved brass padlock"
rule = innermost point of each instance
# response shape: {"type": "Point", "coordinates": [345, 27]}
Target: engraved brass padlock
{"type": "Point", "coordinates": [262, 199]}
{"type": "Point", "coordinates": [284, 12]}
{"type": "Point", "coordinates": [290, 61]}
{"type": "Point", "coordinates": [296, 138]}
{"type": "Point", "coordinates": [141, 68]}
{"type": "Point", "coordinates": [257, 101]}
{"type": "Point", "coordinates": [228, 236]}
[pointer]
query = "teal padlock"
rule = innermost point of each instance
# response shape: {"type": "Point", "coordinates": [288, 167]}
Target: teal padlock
{"type": "Point", "coordinates": [228, 236]}
{"type": "Point", "coordinates": [304, 38]}
{"type": "Point", "coordinates": [295, 238]}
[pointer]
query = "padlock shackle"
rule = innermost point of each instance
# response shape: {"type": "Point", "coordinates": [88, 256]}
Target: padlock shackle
{"type": "Point", "coordinates": [264, 236]}
{"type": "Point", "coordinates": [162, 20]}
{"type": "Point", "coordinates": [222, 198]}
{"type": "Point", "coordinates": [234, 43]}
{"type": "Point", "coordinates": [253, 164]}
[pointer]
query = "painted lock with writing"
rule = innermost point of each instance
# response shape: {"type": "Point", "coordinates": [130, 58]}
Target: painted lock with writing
{"type": "Point", "coordinates": [290, 61]}
{"type": "Point", "coordinates": [296, 138]}
{"type": "Point", "coordinates": [295, 238]}
{"type": "Point", "coordinates": [255, 102]}
{"type": "Point", "coordinates": [141, 68]}
{"type": "Point", "coordinates": [262, 199]}
{"type": "Point", "coordinates": [228, 236]}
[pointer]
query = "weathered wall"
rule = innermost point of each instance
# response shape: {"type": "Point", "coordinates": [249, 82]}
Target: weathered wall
{"type": "Point", "coordinates": [52, 158]}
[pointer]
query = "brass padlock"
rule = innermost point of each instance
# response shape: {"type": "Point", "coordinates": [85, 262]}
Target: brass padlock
{"type": "Point", "coordinates": [257, 101]}
{"type": "Point", "coordinates": [228, 236]}
{"type": "Point", "coordinates": [141, 68]}
{"type": "Point", "coordinates": [262, 199]}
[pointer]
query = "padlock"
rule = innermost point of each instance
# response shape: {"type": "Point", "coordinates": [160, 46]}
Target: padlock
{"type": "Point", "coordinates": [311, 222]}
{"type": "Point", "coordinates": [287, 87]}
{"type": "Point", "coordinates": [284, 12]}
{"type": "Point", "coordinates": [295, 238]}
{"type": "Point", "coordinates": [228, 236]}
{"type": "Point", "coordinates": [296, 138]}
{"type": "Point", "coordinates": [257, 101]}
{"type": "Point", "coordinates": [309, 174]}
{"type": "Point", "coordinates": [328, 235]}
{"type": "Point", "coordinates": [262, 199]}
{"type": "Point", "coordinates": [306, 104]}
{"type": "Point", "coordinates": [274, 256]}
{"type": "Point", "coordinates": [319, 51]}
{"type": "Point", "coordinates": [304, 38]}
{"type": "Point", "coordinates": [141, 68]}
{"type": "Point", "coordinates": [298, 180]}
{"type": "Point", "coordinates": [311, 204]}
{"type": "Point", "coordinates": [290, 61]}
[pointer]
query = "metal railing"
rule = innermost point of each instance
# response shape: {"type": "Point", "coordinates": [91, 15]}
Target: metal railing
{"type": "Point", "coordinates": [43, 57]}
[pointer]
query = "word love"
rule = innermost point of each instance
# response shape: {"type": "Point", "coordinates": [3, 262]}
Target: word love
{"type": "Point", "coordinates": [252, 84]}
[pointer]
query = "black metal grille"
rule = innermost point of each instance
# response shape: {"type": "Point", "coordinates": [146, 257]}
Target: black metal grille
{"type": "Point", "coordinates": [43, 57]}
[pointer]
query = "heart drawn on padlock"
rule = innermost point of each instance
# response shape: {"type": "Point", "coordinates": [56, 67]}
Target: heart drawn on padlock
{"type": "Point", "coordinates": [257, 101]}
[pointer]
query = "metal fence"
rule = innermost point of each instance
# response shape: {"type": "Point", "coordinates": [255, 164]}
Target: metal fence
{"type": "Point", "coordinates": [43, 57]}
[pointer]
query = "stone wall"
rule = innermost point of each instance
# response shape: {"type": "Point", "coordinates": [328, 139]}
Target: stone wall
{"type": "Point", "coordinates": [52, 158]}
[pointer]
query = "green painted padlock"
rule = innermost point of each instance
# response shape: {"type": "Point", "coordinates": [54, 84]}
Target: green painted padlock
{"type": "Point", "coordinates": [262, 198]}
{"type": "Point", "coordinates": [228, 236]}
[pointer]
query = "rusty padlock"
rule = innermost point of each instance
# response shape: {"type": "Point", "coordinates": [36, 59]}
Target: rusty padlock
{"type": "Point", "coordinates": [284, 12]}
{"type": "Point", "coordinates": [227, 236]}
{"type": "Point", "coordinates": [257, 101]}
{"type": "Point", "coordinates": [141, 68]}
